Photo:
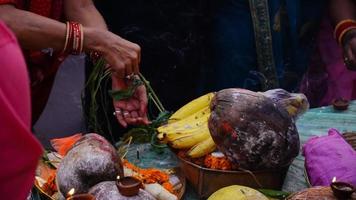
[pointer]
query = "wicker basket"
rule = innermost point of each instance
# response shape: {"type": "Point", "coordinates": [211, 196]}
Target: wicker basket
{"type": "Point", "coordinates": [350, 137]}
{"type": "Point", "coordinates": [206, 181]}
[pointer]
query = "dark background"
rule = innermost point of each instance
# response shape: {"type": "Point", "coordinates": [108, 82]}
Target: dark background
{"type": "Point", "coordinates": [172, 36]}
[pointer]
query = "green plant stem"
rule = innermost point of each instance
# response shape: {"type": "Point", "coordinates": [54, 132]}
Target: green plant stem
{"type": "Point", "coordinates": [150, 90]}
{"type": "Point", "coordinates": [154, 101]}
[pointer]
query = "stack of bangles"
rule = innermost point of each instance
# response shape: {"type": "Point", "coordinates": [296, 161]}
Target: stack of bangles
{"type": "Point", "coordinates": [342, 28]}
{"type": "Point", "coordinates": [74, 39]}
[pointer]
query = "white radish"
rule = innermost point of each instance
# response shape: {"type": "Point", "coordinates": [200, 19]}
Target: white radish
{"type": "Point", "coordinates": [159, 192]}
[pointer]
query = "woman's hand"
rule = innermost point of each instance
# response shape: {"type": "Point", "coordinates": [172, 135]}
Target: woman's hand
{"type": "Point", "coordinates": [131, 111]}
{"type": "Point", "coordinates": [349, 49]}
{"type": "Point", "coordinates": [123, 56]}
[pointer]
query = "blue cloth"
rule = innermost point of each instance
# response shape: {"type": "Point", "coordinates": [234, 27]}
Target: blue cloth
{"type": "Point", "coordinates": [232, 58]}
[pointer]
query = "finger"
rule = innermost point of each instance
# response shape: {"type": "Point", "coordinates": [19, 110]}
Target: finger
{"type": "Point", "coordinates": [352, 65]}
{"type": "Point", "coordinates": [116, 65]}
{"type": "Point", "coordinates": [121, 119]}
{"type": "Point", "coordinates": [134, 114]}
{"type": "Point", "coordinates": [135, 66]}
{"type": "Point", "coordinates": [136, 61]}
{"type": "Point", "coordinates": [143, 102]}
{"type": "Point", "coordinates": [128, 67]}
{"type": "Point", "coordinates": [349, 53]}
{"type": "Point", "coordinates": [131, 121]}
{"type": "Point", "coordinates": [118, 83]}
{"type": "Point", "coordinates": [126, 114]}
{"type": "Point", "coordinates": [133, 105]}
{"type": "Point", "coordinates": [119, 69]}
{"type": "Point", "coordinates": [351, 60]}
{"type": "Point", "coordinates": [107, 66]}
{"type": "Point", "coordinates": [145, 120]}
{"type": "Point", "coordinates": [137, 51]}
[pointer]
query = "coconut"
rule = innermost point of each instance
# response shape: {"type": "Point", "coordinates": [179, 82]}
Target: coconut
{"type": "Point", "coordinates": [256, 130]}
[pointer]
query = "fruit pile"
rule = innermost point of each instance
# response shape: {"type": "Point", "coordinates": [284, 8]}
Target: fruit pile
{"type": "Point", "coordinates": [188, 128]}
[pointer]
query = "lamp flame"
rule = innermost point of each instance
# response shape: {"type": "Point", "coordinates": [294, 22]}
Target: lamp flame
{"type": "Point", "coordinates": [118, 178]}
{"type": "Point", "coordinates": [71, 192]}
{"type": "Point", "coordinates": [334, 180]}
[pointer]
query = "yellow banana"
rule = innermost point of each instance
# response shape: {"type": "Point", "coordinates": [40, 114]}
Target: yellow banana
{"type": "Point", "coordinates": [188, 141]}
{"type": "Point", "coordinates": [186, 127]}
{"type": "Point", "coordinates": [202, 148]}
{"type": "Point", "coordinates": [196, 120]}
{"type": "Point", "coordinates": [192, 107]}
{"type": "Point", "coordinates": [175, 135]}
{"type": "Point", "coordinates": [165, 137]}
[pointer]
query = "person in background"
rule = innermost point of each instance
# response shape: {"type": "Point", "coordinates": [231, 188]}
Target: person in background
{"type": "Point", "coordinates": [20, 151]}
{"type": "Point", "coordinates": [332, 74]}
{"type": "Point", "coordinates": [49, 30]}
{"type": "Point", "coordinates": [343, 16]}
{"type": "Point", "coordinates": [260, 44]}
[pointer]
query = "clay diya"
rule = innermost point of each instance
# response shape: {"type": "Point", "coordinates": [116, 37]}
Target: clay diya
{"type": "Point", "coordinates": [340, 104]}
{"type": "Point", "coordinates": [128, 186]}
{"type": "Point", "coordinates": [342, 190]}
{"type": "Point", "coordinates": [72, 196]}
{"type": "Point", "coordinates": [81, 197]}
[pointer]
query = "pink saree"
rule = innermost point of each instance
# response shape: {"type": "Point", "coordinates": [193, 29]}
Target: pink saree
{"type": "Point", "coordinates": [19, 150]}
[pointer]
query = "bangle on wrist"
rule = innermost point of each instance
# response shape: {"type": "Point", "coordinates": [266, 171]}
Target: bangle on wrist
{"type": "Point", "coordinates": [74, 39]}
{"type": "Point", "coordinates": [342, 28]}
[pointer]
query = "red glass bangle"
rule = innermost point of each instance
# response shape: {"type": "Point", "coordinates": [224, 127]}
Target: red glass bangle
{"type": "Point", "coordinates": [342, 28]}
{"type": "Point", "coordinates": [74, 39]}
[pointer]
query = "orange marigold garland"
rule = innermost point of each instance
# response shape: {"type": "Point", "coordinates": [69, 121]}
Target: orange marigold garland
{"type": "Point", "coordinates": [151, 175]}
{"type": "Point", "coordinates": [213, 162]}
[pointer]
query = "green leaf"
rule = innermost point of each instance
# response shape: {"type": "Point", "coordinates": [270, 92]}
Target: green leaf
{"type": "Point", "coordinates": [162, 118]}
{"type": "Point", "coordinates": [274, 193]}
{"type": "Point", "coordinates": [125, 94]}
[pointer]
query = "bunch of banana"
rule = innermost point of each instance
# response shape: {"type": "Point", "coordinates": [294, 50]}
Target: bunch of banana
{"type": "Point", "coordinates": [188, 128]}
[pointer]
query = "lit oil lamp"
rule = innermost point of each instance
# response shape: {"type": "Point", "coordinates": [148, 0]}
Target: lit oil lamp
{"type": "Point", "coordinates": [72, 196]}
{"type": "Point", "coordinates": [341, 190]}
{"type": "Point", "coordinates": [128, 186]}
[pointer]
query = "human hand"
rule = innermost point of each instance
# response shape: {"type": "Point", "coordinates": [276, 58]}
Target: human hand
{"type": "Point", "coordinates": [349, 49]}
{"type": "Point", "coordinates": [133, 110]}
{"type": "Point", "coordinates": [121, 55]}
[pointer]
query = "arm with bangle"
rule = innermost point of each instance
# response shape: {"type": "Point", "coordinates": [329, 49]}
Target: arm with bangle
{"type": "Point", "coordinates": [35, 32]}
{"type": "Point", "coordinates": [127, 111]}
{"type": "Point", "coordinates": [343, 16]}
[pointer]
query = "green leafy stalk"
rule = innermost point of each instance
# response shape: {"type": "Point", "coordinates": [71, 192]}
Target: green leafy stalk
{"type": "Point", "coordinates": [127, 93]}
{"type": "Point", "coordinates": [153, 94]}
{"type": "Point", "coordinates": [94, 85]}
{"type": "Point", "coordinates": [97, 76]}
{"type": "Point", "coordinates": [274, 193]}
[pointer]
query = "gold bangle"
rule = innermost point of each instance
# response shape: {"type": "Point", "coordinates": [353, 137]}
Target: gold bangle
{"type": "Point", "coordinates": [67, 37]}
{"type": "Point", "coordinates": [81, 38]}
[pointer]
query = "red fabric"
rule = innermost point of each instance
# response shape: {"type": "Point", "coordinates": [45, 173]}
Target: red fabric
{"type": "Point", "coordinates": [47, 8]}
{"type": "Point", "coordinates": [19, 150]}
{"type": "Point", "coordinates": [14, 2]}
{"type": "Point", "coordinates": [42, 64]}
